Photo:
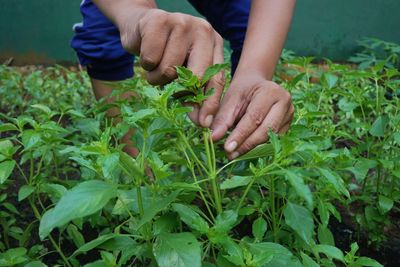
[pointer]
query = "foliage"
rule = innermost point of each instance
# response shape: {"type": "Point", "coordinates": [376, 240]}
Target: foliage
{"type": "Point", "coordinates": [69, 189]}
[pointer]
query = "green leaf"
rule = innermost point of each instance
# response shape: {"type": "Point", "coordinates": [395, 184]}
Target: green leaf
{"type": "Point", "coordinates": [364, 261]}
{"type": "Point", "coordinates": [191, 218]}
{"type": "Point", "coordinates": [225, 221]}
{"type": "Point", "coordinates": [300, 220]}
{"type": "Point", "coordinates": [212, 71]}
{"type": "Point", "coordinates": [75, 235]}
{"type": "Point", "coordinates": [325, 236]}
{"type": "Point", "coordinates": [272, 254]}
{"type": "Point", "coordinates": [301, 189]}
{"type": "Point", "coordinates": [8, 127]}
{"type": "Point", "coordinates": [94, 243]}
{"type": "Point", "coordinates": [13, 257]}
{"type": "Point", "coordinates": [260, 151]}
{"type": "Point", "coordinates": [83, 200]}
{"type": "Point", "coordinates": [329, 80]}
{"type": "Point", "coordinates": [178, 250]}
{"type": "Point", "coordinates": [25, 191]}
{"type": "Point", "coordinates": [379, 126]}
{"type": "Point", "coordinates": [35, 264]}
{"type": "Point", "coordinates": [385, 203]}
{"type": "Point", "coordinates": [43, 108]}
{"type": "Point", "coordinates": [335, 180]}
{"type": "Point", "coordinates": [307, 261]}
{"type": "Point", "coordinates": [259, 228]}
{"type": "Point", "coordinates": [233, 252]}
{"type": "Point", "coordinates": [329, 251]}
{"type": "Point", "coordinates": [6, 168]}
{"type": "Point", "coordinates": [187, 78]}
{"type": "Point", "coordinates": [235, 181]}
{"type": "Point", "coordinates": [151, 211]}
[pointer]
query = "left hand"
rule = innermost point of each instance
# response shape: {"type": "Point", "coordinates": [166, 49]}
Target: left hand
{"type": "Point", "coordinates": [256, 105]}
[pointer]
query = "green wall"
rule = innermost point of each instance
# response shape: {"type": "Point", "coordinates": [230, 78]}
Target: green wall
{"type": "Point", "coordinates": [38, 31]}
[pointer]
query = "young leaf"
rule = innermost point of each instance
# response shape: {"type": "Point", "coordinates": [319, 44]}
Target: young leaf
{"type": "Point", "coordinates": [259, 228]}
{"type": "Point", "coordinates": [385, 203]}
{"type": "Point", "coordinates": [235, 181]}
{"type": "Point", "coordinates": [379, 126]}
{"type": "Point", "coordinates": [83, 200]}
{"type": "Point", "coordinates": [329, 251]}
{"type": "Point", "coordinates": [6, 168]}
{"type": "Point", "coordinates": [211, 71]}
{"type": "Point", "coordinates": [260, 151]}
{"type": "Point", "coordinates": [301, 189]}
{"type": "Point", "coordinates": [25, 191]}
{"type": "Point", "coordinates": [300, 220]}
{"type": "Point", "coordinates": [178, 250]}
{"type": "Point", "coordinates": [334, 180]}
{"type": "Point", "coordinates": [191, 218]}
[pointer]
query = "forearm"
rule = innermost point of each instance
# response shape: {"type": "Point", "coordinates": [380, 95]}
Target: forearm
{"type": "Point", "coordinates": [269, 23]}
{"type": "Point", "coordinates": [115, 9]}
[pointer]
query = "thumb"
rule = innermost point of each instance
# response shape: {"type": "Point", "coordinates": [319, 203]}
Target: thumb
{"type": "Point", "coordinates": [226, 116]}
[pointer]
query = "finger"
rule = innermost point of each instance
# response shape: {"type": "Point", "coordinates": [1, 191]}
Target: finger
{"type": "Point", "coordinates": [153, 45]}
{"type": "Point", "coordinates": [255, 114]}
{"type": "Point", "coordinates": [284, 128]}
{"type": "Point", "coordinates": [202, 50]}
{"type": "Point", "coordinates": [217, 83]}
{"type": "Point", "coordinates": [194, 114]}
{"type": "Point", "coordinates": [231, 107]}
{"type": "Point", "coordinates": [274, 121]}
{"type": "Point", "coordinates": [174, 54]}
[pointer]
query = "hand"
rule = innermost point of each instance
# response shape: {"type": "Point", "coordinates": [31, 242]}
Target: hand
{"type": "Point", "coordinates": [165, 40]}
{"type": "Point", "coordinates": [256, 105]}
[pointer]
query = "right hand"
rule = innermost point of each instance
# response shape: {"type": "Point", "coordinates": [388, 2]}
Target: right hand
{"type": "Point", "coordinates": [164, 40]}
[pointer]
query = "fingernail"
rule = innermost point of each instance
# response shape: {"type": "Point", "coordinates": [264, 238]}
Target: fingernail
{"type": "Point", "coordinates": [235, 155]}
{"type": "Point", "coordinates": [231, 146]}
{"type": "Point", "coordinates": [208, 121]}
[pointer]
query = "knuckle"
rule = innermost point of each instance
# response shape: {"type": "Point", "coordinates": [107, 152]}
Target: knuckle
{"type": "Point", "coordinates": [273, 126]}
{"type": "Point", "coordinates": [247, 146]}
{"type": "Point", "coordinates": [256, 117]}
{"type": "Point", "coordinates": [219, 80]}
{"type": "Point", "coordinates": [205, 26]}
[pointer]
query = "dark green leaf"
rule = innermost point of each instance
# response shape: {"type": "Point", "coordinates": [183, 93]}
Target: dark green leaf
{"type": "Point", "coordinates": [6, 168]}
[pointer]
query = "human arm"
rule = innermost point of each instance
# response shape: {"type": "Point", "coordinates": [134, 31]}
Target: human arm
{"type": "Point", "coordinates": [253, 101]}
{"type": "Point", "coordinates": [164, 40]}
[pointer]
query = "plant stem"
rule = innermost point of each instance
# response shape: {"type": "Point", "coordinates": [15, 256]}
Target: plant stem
{"type": "Point", "coordinates": [53, 242]}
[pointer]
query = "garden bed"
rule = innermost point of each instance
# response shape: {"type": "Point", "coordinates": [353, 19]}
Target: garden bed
{"type": "Point", "coordinates": [325, 194]}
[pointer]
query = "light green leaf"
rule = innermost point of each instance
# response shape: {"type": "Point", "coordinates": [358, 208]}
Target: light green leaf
{"type": "Point", "coordinates": [272, 254]}
{"type": "Point", "coordinates": [43, 108]}
{"type": "Point", "coordinates": [178, 250]}
{"type": "Point", "coordinates": [191, 218]}
{"type": "Point", "coordinates": [325, 236]}
{"type": "Point", "coordinates": [301, 189]}
{"type": "Point", "coordinates": [364, 261]}
{"type": "Point", "coordinates": [300, 220]}
{"type": "Point", "coordinates": [335, 180]}
{"type": "Point", "coordinates": [25, 191]}
{"type": "Point", "coordinates": [6, 168]}
{"type": "Point", "coordinates": [75, 235]}
{"type": "Point", "coordinates": [329, 251]}
{"type": "Point", "coordinates": [8, 127]}
{"type": "Point", "coordinates": [83, 200]}
{"type": "Point", "coordinates": [379, 126]}
{"type": "Point", "coordinates": [259, 228]}
{"type": "Point", "coordinates": [235, 181]}
{"type": "Point", "coordinates": [260, 151]}
{"type": "Point", "coordinates": [94, 243]}
{"type": "Point", "coordinates": [211, 71]}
